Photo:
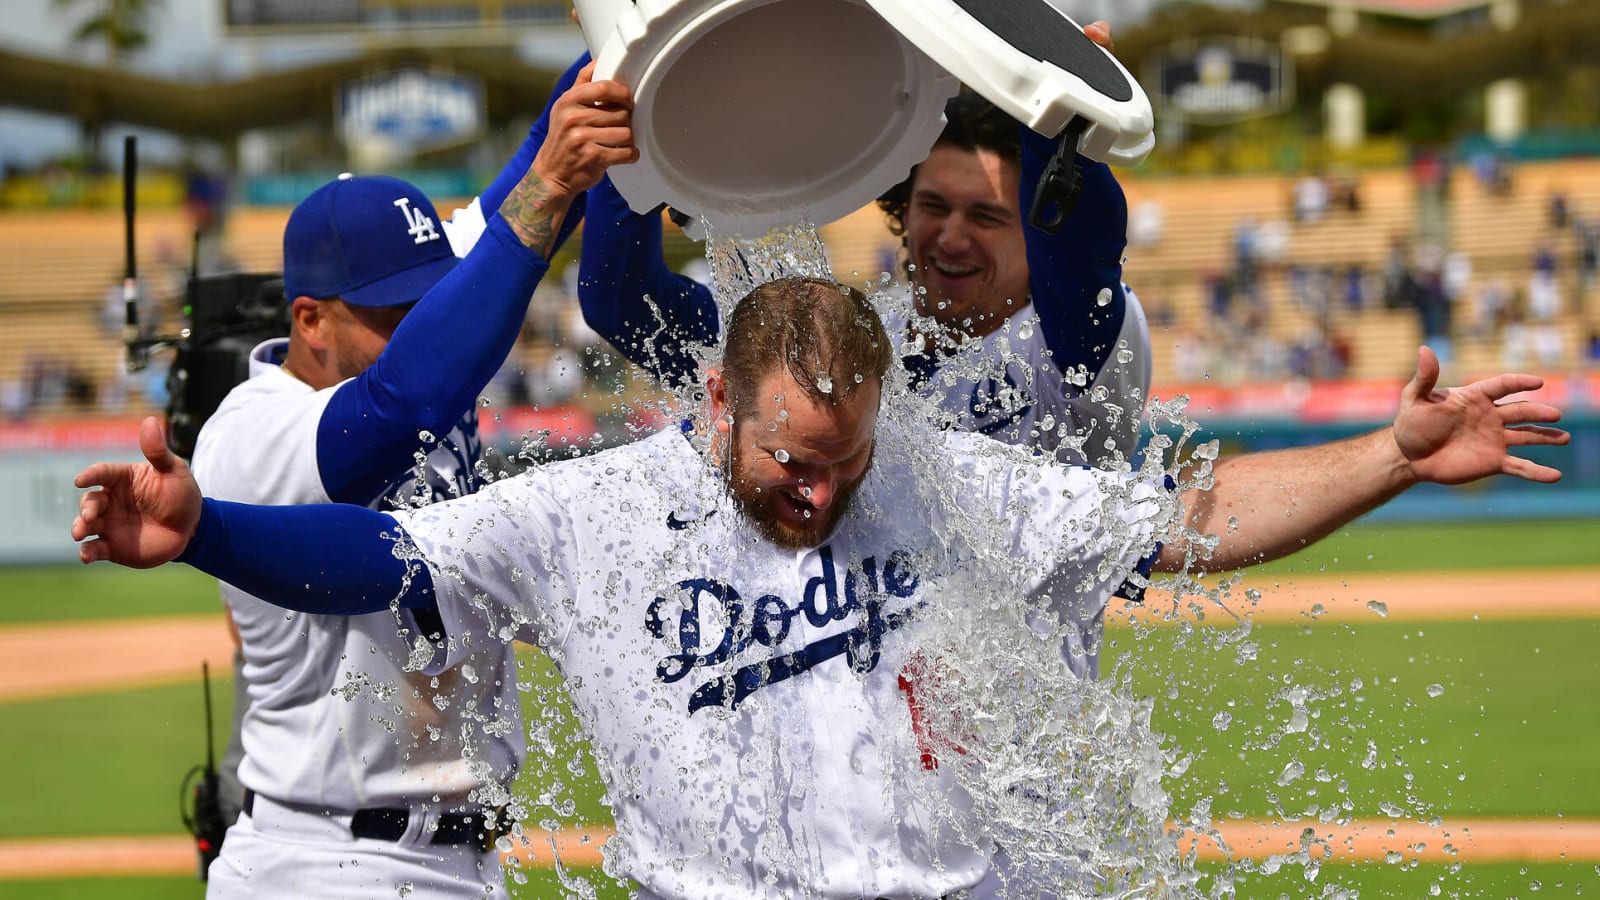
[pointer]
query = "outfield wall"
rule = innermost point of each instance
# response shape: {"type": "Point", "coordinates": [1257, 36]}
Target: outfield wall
{"type": "Point", "coordinates": [39, 460]}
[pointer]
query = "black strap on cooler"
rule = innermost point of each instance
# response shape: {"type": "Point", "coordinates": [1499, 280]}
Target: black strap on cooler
{"type": "Point", "coordinates": [1061, 182]}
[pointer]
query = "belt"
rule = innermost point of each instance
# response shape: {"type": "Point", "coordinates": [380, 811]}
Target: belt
{"type": "Point", "coordinates": [383, 823]}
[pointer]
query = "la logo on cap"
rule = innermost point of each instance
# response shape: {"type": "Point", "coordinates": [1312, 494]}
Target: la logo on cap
{"type": "Point", "coordinates": [420, 227]}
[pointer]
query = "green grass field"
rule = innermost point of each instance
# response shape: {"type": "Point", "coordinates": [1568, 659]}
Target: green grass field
{"type": "Point", "coordinates": [1509, 734]}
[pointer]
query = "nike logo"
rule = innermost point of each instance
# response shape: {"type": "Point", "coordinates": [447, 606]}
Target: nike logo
{"type": "Point", "coordinates": [677, 523]}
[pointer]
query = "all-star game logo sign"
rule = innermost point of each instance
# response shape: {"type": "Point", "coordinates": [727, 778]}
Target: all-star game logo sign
{"type": "Point", "coordinates": [1221, 79]}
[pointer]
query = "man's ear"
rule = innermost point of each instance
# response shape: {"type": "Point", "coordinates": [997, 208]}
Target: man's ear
{"type": "Point", "coordinates": [717, 394]}
{"type": "Point", "coordinates": [310, 322]}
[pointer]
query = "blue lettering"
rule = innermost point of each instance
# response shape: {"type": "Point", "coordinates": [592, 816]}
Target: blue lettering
{"type": "Point", "coordinates": [689, 636]}
{"type": "Point", "coordinates": [828, 584]}
{"type": "Point", "coordinates": [764, 614]}
{"type": "Point", "coordinates": [899, 578]}
{"type": "Point", "coordinates": [770, 620]}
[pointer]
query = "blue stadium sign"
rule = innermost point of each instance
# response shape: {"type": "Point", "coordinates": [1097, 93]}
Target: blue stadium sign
{"type": "Point", "coordinates": [289, 16]}
{"type": "Point", "coordinates": [413, 108]}
{"type": "Point", "coordinates": [1222, 79]}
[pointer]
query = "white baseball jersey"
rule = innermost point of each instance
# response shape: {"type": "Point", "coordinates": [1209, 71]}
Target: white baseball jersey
{"type": "Point", "coordinates": [1011, 387]}
{"type": "Point", "coordinates": [335, 721]}
{"type": "Point", "coordinates": [745, 702]}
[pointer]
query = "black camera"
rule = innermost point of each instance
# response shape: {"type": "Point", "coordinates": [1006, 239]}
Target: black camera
{"type": "Point", "coordinates": [228, 316]}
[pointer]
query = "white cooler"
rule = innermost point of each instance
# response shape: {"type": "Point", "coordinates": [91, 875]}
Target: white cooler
{"type": "Point", "coordinates": [757, 113]}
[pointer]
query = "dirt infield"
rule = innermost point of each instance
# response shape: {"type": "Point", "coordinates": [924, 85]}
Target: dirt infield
{"type": "Point", "coordinates": [42, 661]}
{"type": "Point", "coordinates": [1463, 841]}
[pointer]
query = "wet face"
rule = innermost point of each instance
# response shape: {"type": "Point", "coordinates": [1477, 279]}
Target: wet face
{"type": "Point", "coordinates": [964, 236]}
{"type": "Point", "coordinates": [360, 333]}
{"type": "Point", "coordinates": [794, 464]}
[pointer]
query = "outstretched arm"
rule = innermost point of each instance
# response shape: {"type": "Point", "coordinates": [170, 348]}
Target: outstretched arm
{"type": "Point", "coordinates": [652, 315]}
{"type": "Point", "coordinates": [1267, 505]}
{"type": "Point", "coordinates": [448, 347]}
{"type": "Point", "coordinates": [150, 513]}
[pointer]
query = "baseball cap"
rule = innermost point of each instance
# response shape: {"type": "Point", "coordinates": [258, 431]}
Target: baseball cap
{"type": "Point", "coordinates": [369, 240]}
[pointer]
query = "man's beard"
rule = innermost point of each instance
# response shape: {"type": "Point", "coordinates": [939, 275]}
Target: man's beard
{"type": "Point", "coordinates": [756, 506]}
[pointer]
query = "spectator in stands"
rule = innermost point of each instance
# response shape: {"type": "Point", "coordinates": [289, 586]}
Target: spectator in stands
{"type": "Point", "coordinates": [1146, 221]}
{"type": "Point", "coordinates": [1488, 309]}
{"type": "Point", "coordinates": [1544, 287]}
{"type": "Point", "coordinates": [1493, 172]}
{"type": "Point", "coordinates": [1588, 254]}
{"type": "Point", "coordinates": [1245, 233]}
{"type": "Point", "coordinates": [1560, 211]}
{"type": "Point", "coordinates": [1355, 287]}
{"type": "Point", "coordinates": [1311, 198]}
{"type": "Point", "coordinates": [13, 399]}
{"type": "Point", "coordinates": [1347, 193]}
{"type": "Point", "coordinates": [1399, 282]}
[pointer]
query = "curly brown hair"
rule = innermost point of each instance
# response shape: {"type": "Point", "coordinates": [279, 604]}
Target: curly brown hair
{"type": "Point", "coordinates": [971, 123]}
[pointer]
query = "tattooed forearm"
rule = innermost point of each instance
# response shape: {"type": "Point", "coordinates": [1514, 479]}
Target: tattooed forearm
{"type": "Point", "coordinates": [534, 211]}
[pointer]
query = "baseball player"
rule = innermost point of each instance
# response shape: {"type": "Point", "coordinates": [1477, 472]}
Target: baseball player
{"type": "Point", "coordinates": [1067, 372]}
{"type": "Point", "coordinates": [731, 607]}
{"type": "Point", "coordinates": [362, 776]}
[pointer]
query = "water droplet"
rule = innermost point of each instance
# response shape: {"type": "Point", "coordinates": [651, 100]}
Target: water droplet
{"type": "Point", "coordinates": [1025, 330]}
{"type": "Point", "coordinates": [1393, 857]}
{"type": "Point", "coordinates": [1222, 720]}
{"type": "Point", "coordinates": [805, 492]}
{"type": "Point", "coordinates": [1124, 356]}
{"type": "Point", "coordinates": [1291, 773]}
{"type": "Point", "coordinates": [1435, 690]}
{"type": "Point", "coordinates": [1104, 297]}
{"type": "Point", "coordinates": [1391, 809]}
{"type": "Point", "coordinates": [783, 415]}
{"type": "Point", "coordinates": [858, 378]}
{"type": "Point", "coordinates": [1379, 607]}
{"type": "Point", "coordinates": [781, 455]}
{"type": "Point", "coordinates": [426, 436]}
{"type": "Point", "coordinates": [825, 384]}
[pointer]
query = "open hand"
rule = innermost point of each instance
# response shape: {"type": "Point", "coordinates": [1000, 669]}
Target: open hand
{"type": "Point", "coordinates": [145, 513]}
{"type": "Point", "coordinates": [1456, 435]}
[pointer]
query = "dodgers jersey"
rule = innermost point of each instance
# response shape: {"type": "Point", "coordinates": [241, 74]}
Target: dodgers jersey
{"type": "Point", "coordinates": [1011, 386]}
{"type": "Point", "coordinates": [745, 702]}
{"type": "Point", "coordinates": [335, 720]}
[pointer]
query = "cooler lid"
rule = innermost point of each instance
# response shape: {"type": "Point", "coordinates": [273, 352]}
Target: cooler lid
{"type": "Point", "coordinates": [756, 113]}
{"type": "Point", "coordinates": [1033, 61]}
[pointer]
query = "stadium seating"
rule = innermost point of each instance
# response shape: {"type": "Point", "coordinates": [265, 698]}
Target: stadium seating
{"type": "Point", "coordinates": [64, 262]}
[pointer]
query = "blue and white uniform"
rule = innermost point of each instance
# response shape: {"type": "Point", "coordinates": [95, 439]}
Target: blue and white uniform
{"type": "Point", "coordinates": [746, 703]}
{"type": "Point", "coordinates": [338, 723]}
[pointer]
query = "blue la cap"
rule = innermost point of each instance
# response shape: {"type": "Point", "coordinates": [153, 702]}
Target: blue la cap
{"type": "Point", "coordinates": [370, 241]}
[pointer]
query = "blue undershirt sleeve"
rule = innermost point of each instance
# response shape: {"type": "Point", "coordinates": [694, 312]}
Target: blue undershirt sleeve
{"type": "Point", "coordinates": [652, 315]}
{"type": "Point", "coordinates": [1068, 269]}
{"type": "Point", "coordinates": [500, 188]}
{"type": "Point", "coordinates": [440, 358]}
{"type": "Point", "coordinates": [327, 559]}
